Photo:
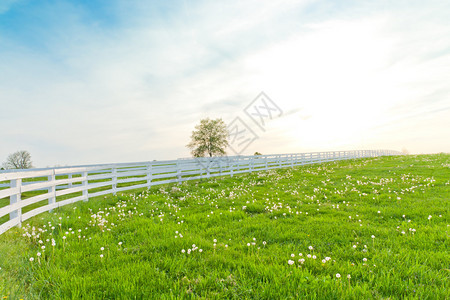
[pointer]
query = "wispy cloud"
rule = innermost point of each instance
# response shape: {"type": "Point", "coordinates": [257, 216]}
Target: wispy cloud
{"type": "Point", "coordinates": [91, 83]}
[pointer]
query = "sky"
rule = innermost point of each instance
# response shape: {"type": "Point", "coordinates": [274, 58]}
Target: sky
{"type": "Point", "coordinates": [105, 81]}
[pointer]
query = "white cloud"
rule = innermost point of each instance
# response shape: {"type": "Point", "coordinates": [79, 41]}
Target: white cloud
{"type": "Point", "coordinates": [135, 91]}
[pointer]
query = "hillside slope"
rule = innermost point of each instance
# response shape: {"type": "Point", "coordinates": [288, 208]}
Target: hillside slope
{"type": "Point", "coordinates": [369, 228]}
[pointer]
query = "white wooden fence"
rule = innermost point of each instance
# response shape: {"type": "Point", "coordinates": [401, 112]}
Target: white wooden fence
{"type": "Point", "coordinates": [34, 191]}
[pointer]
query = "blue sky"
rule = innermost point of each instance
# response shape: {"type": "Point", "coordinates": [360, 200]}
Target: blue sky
{"type": "Point", "coordinates": [85, 82]}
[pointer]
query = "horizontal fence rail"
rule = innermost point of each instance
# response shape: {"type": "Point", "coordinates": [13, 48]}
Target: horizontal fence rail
{"type": "Point", "coordinates": [34, 191]}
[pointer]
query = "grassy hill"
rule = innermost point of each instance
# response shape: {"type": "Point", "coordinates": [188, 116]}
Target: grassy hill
{"type": "Point", "coordinates": [360, 229]}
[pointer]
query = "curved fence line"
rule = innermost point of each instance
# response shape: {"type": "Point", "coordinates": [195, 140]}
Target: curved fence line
{"type": "Point", "coordinates": [34, 191]}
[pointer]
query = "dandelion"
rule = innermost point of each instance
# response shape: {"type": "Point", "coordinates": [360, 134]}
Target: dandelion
{"type": "Point", "coordinates": [373, 236]}
{"type": "Point", "coordinates": [248, 244]}
{"type": "Point", "coordinates": [314, 257]}
{"type": "Point", "coordinates": [101, 255]}
{"type": "Point", "coordinates": [102, 248]}
{"type": "Point", "coordinates": [120, 243]}
{"type": "Point", "coordinates": [264, 243]}
{"type": "Point", "coordinates": [354, 246]}
{"type": "Point", "coordinates": [182, 250]}
{"type": "Point", "coordinates": [338, 275]}
{"type": "Point", "coordinates": [38, 254]}
{"type": "Point", "coordinates": [292, 255]}
{"type": "Point", "coordinates": [310, 248]}
{"type": "Point", "coordinates": [348, 276]}
{"type": "Point", "coordinates": [215, 241]}
{"type": "Point", "coordinates": [290, 262]}
{"type": "Point", "coordinates": [200, 250]}
{"type": "Point", "coordinates": [31, 259]}
{"type": "Point", "coordinates": [364, 259]}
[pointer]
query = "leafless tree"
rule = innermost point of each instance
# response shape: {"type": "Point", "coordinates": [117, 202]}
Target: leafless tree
{"type": "Point", "coordinates": [18, 160]}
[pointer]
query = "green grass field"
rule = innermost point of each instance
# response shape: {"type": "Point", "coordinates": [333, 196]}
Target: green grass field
{"type": "Point", "coordinates": [361, 229]}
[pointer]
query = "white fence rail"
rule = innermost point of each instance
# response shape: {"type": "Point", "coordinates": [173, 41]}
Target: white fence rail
{"type": "Point", "coordinates": [34, 191]}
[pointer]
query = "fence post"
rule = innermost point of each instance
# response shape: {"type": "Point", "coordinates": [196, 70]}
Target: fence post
{"type": "Point", "coordinates": [149, 175]}
{"type": "Point", "coordinates": [84, 184]}
{"type": "Point", "coordinates": [70, 183]}
{"type": "Point", "coordinates": [52, 189]}
{"type": "Point", "coordinates": [16, 198]}
{"type": "Point", "coordinates": [231, 166]}
{"type": "Point", "coordinates": [178, 172]}
{"type": "Point", "coordinates": [114, 180]}
{"type": "Point", "coordinates": [208, 173]}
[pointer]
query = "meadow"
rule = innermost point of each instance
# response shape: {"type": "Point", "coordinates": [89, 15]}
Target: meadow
{"type": "Point", "coordinates": [373, 228]}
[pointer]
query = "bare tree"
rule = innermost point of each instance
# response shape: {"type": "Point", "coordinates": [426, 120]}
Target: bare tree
{"type": "Point", "coordinates": [18, 160]}
{"type": "Point", "coordinates": [209, 138]}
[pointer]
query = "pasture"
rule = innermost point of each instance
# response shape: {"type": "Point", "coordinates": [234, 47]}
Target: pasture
{"type": "Point", "coordinates": [359, 229]}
